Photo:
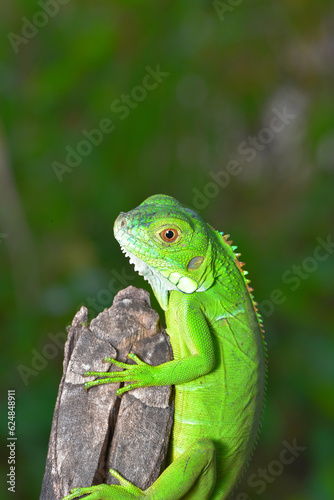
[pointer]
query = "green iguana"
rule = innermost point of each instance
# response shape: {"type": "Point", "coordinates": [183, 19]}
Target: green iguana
{"type": "Point", "coordinates": [219, 366]}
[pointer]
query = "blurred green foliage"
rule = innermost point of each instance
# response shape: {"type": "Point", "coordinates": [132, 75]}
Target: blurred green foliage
{"type": "Point", "coordinates": [228, 69]}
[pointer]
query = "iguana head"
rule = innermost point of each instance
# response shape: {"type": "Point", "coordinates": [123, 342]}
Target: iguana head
{"type": "Point", "coordinates": [168, 244]}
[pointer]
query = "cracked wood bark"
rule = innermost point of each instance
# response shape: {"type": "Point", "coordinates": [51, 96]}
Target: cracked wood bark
{"type": "Point", "coordinates": [96, 430]}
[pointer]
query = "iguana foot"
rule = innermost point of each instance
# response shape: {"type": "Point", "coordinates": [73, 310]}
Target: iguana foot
{"type": "Point", "coordinates": [126, 491]}
{"type": "Point", "coordinates": [140, 374]}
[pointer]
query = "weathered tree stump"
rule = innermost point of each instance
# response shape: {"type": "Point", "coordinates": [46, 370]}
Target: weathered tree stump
{"type": "Point", "coordinates": [96, 430]}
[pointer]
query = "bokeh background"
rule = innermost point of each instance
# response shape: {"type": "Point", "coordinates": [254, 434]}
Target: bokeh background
{"type": "Point", "coordinates": [207, 135]}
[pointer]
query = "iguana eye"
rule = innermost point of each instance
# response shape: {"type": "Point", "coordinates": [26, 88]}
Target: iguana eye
{"type": "Point", "coordinates": [169, 235]}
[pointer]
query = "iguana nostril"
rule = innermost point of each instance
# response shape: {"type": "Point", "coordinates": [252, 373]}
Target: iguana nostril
{"type": "Point", "coordinates": [120, 223]}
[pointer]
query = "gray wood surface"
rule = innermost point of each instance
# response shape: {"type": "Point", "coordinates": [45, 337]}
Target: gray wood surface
{"type": "Point", "coordinates": [96, 430]}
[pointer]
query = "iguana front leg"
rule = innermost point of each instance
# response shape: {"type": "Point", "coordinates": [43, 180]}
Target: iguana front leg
{"type": "Point", "coordinates": [198, 361]}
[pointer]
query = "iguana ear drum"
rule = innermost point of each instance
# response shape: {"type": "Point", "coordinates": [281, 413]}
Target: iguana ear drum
{"type": "Point", "coordinates": [195, 262]}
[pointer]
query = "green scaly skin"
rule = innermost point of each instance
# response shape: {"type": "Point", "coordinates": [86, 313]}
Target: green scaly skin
{"type": "Point", "coordinates": [219, 353]}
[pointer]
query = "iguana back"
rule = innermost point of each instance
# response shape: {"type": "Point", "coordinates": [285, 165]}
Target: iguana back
{"type": "Point", "coordinates": [224, 405]}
